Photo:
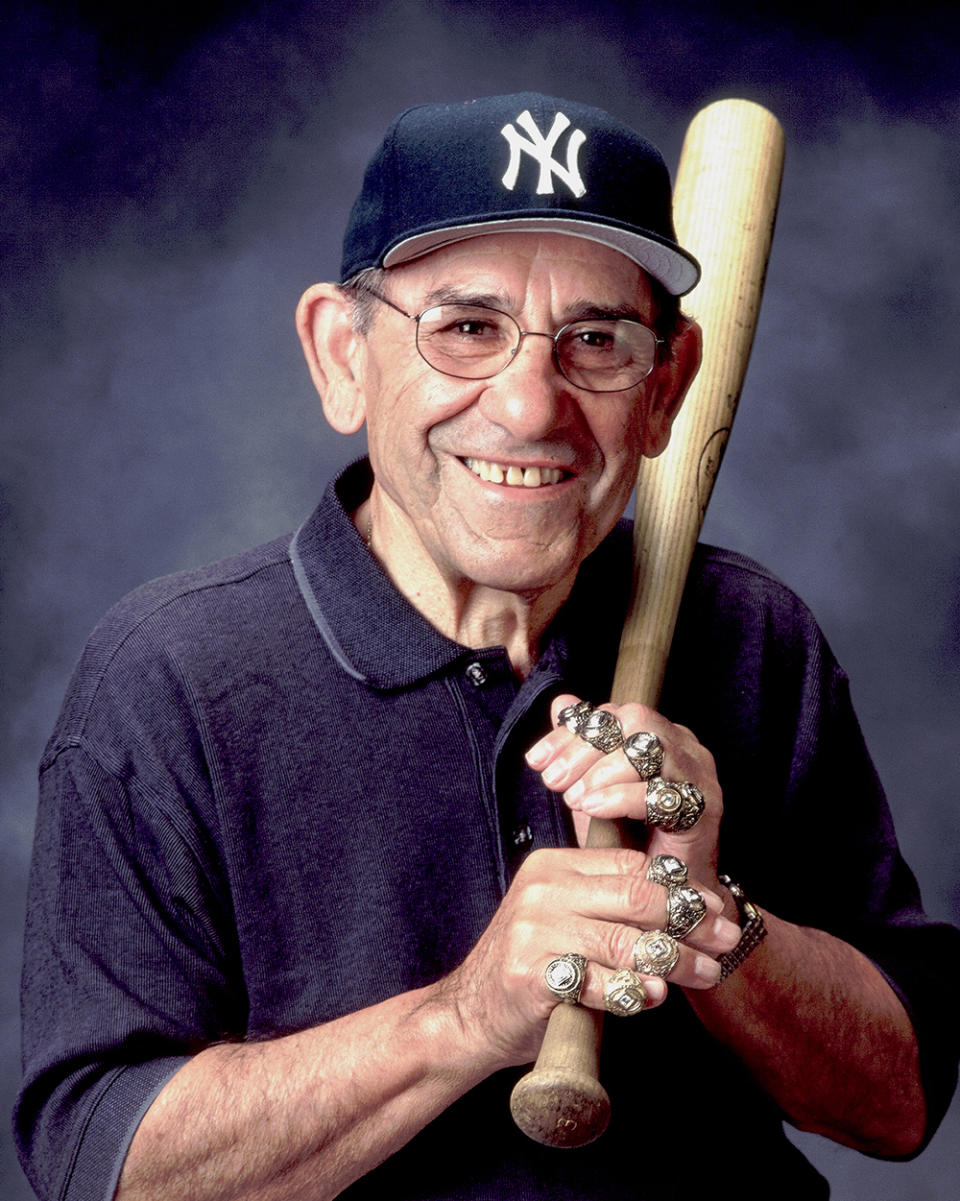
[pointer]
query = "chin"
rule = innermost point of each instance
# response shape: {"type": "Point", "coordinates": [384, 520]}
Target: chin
{"type": "Point", "coordinates": [533, 572]}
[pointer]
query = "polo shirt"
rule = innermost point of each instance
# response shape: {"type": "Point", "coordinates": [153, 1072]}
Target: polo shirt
{"type": "Point", "coordinates": [276, 794]}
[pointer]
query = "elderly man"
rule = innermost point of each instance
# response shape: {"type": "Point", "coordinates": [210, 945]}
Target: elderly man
{"type": "Point", "coordinates": [306, 883]}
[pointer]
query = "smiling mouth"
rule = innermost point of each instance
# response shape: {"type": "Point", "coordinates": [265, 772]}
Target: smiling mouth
{"type": "Point", "coordinates": [518, 477]}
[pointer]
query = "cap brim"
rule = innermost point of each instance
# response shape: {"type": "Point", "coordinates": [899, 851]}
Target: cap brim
{"type": "Point", "coordinates": [674, 268]}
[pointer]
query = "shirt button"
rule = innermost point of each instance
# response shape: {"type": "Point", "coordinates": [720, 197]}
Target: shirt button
{"type": "Point", "coordinates": [522, 836]}
{"type": "Point", "coordinates": [476, 674]}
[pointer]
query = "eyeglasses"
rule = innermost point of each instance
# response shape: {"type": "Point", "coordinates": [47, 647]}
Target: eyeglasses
{"type": "Point", "coordinates": [471, 341]}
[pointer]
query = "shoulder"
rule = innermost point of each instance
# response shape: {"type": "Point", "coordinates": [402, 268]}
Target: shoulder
{"type": "Point", "coordinates": [146, 644]}
{"type": "Point", "coordinates": [728, 589]}
{"type": "Point", "coordinates": [209, 585]}
{"type": "Point", "coordinates": [722, 585]}
{"type": "Point", "coordinates": [727, 573]}
{"type": "Point", "coordinates": [190, 607]}
{"type": "Point", "coordinates": [737, 620]}
{"type": "Point", "coordinates": [749, 664]}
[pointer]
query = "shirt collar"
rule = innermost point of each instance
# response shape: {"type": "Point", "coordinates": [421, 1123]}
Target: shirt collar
{"type": "Point", "coordinates": [378, 637]}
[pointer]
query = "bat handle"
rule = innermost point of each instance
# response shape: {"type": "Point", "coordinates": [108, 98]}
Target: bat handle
{"type": "Point", "coordinates": [560, 1101]}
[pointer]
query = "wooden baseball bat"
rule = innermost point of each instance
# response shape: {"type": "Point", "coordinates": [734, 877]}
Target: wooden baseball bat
{"type": "Point", "coordinates": [725, 203]}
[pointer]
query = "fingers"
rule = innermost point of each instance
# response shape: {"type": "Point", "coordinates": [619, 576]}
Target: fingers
{"type": "Point", "coordinates": [572, 980]}
{"type": "Point", "coordinates": [612, 943]}
{"type": "Point", "coordinates": [598, 981]}
{"type": "Point", "coordinates": [594, 903]}
{"type": "Point", "coordinates": [692, 969]}
{"type": "Point", "coordinates": [638, 983]}
{"type": "Point", "coordinates": [607, 899]}
{"type": "Point", "coordinates": [612, 783]}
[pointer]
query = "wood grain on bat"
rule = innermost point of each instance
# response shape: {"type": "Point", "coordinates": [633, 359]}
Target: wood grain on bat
{"type": "Point", "coordinates": [725, 202]}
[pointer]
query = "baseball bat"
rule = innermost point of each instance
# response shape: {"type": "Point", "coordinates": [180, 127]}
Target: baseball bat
{"type": "Point", "coordinates": [725, 203]}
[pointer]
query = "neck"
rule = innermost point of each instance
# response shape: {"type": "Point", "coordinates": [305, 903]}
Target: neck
{"type": "Point", "coordinates": [467, 612]}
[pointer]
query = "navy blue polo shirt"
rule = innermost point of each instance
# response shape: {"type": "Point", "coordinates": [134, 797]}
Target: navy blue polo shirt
{"type": "Point", "coordinates": [276, 794]}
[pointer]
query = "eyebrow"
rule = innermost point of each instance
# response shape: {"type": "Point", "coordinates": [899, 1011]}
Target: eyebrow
{"type": "Point", "coordinates": [580, 309]}
{"type": "Point", "coordinates": [486, 300]}
{"type": "Point", "coordinates": [586, 310]}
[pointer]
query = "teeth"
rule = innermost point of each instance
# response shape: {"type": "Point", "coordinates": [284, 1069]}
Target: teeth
{"type": "Point", "coordinates": [519, 477]}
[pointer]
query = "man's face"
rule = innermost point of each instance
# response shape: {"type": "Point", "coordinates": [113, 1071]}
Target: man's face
{"type": "Point", "coordinates": [565, 459]}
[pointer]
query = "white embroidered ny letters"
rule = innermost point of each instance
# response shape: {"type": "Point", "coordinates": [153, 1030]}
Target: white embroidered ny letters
{"type": "Point", "coordinates": [541, 148]}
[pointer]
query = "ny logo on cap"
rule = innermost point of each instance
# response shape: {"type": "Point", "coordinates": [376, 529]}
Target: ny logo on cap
{"type": "Point", "coordinates": [541, 149]}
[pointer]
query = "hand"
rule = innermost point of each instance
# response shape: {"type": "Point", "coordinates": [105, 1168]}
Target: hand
{"type": "Point", "coordinates": [608, 786]}
{"type": "Point", "coordinates": [594, 902]}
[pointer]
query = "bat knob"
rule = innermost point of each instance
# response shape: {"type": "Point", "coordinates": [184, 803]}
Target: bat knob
{"type": "Point", "coordinates": [559, 1108]}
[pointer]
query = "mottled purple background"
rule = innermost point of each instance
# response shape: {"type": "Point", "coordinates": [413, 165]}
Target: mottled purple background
{"type": "Point", "coordinates": [171, 184]}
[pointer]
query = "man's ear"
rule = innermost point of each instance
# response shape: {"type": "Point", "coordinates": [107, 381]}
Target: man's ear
{"type": "Point", "coordinates": [331, 347]}
{"type": "Point", "coordinates": [670, 381]}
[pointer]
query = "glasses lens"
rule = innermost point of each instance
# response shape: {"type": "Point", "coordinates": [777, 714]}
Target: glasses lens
{"type": "Point", "coordinates": [606, 355]}
{"type": "Point", "coordinates": [466, 340]}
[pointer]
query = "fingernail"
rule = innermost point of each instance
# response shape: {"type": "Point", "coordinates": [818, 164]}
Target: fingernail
{"type": "Point", "coordinates": [575, 792]}
{"type": "Point", "coordinates": [555, 772]}
{"type": "Point", "coordinates": [726, 932]}
{"type": "Point", "coordinates": [706, 969]}
{"type": "Point", "coordinates": [655, 988]}
{"type": "Point", "coordinates": [537, 755]}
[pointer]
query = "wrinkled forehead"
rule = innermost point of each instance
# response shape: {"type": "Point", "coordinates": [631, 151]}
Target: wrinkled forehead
{"type": "Point", "coordinates": [521, 266]}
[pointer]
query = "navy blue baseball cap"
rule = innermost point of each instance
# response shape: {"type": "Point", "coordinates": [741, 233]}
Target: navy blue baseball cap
{"type": "Point", "coordinates": [447, 172]}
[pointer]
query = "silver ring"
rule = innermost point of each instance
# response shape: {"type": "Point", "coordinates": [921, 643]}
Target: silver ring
{"type": "Point", "coordinates": [693, 806]}
{"type": "Point", "coordinates": [673, 806]}
{"type": "Point", "coordinates": [573, 716]}
{"type": "Point", "coordinates": [645, 752]}
{"type": "Point", "coordinates": [565, 975]}
{"type": "Point", "coordinates": [686, 909]}
{"type": "Point", "coordinates": [602, 730]}
{"type": "Point", "coordinates": [655, 953]}
{"type": "Point", "coordinates": [667, 870]}
{"type": "Point", "coordinates": [624, 994]}
{"type": "Point", "coordinates": [664, 803]}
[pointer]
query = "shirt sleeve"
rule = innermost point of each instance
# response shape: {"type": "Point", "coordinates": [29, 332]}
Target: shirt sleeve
{"type": "Point", "coordinates": [856, 883]}
{"type": "Point", "coordinates": [128, 970]}
{"type": "Point", "coordinates": [807, 829]}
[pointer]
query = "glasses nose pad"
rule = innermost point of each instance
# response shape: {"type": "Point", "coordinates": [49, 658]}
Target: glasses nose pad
{"type": "Point", "coordinates": [535, 333]}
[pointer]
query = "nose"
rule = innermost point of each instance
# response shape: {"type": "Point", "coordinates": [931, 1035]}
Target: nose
{"type": "Point", "coordinates": [528, 396]}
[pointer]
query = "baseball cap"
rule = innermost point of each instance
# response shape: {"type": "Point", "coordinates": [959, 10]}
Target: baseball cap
{"type": "Point", "coordinates": [447, 172]}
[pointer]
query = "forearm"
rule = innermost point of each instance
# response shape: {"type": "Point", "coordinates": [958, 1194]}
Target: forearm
{"type": "Point", "coordinates": [299, 1116]}
{"type": "Point", "coordinates": [825, 1036]}
{"type": "Point", "coordinates": [305, 1115]}
{"type": "Point", "coordinates": [813, 1020]}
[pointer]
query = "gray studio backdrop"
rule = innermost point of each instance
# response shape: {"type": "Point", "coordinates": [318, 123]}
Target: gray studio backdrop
{"type": "Point", "coordinates": [169, 191]}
